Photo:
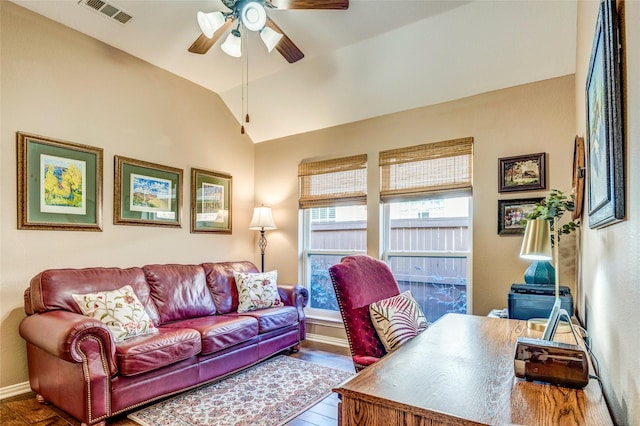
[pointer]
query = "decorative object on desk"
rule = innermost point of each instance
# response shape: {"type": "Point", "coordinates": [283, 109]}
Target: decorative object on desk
{"type": "Point", "coordinates": [262, 221]}
{"type": "Point", "coordinates": [146, 194]}
{"type": "Point", "coordinates": [604, 122]}
{"type": "Point", "coordinates": [210, 201]}
{"type": "Point", "coordinates": [59, 185]}
{"type": "Point", "coordinates": [577, 182]}
{"type": "Point", "coordinates": [270, 393]}
{"type": "Point", "coordinates": [522, 173]}
{"type": "Point", "coordinates": [511, 214]}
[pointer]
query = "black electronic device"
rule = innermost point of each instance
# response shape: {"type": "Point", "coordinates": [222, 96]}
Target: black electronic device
{"type": "Point", "coordinates": [526, 301]}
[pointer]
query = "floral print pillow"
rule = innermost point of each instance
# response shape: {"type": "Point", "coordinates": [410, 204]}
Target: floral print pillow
{"type": "Point", "coordinates": [397, 320]}
{"type": "Point", "coordinates": [257, 290]}
{"type": "Point", "coordinates": [120, 310]}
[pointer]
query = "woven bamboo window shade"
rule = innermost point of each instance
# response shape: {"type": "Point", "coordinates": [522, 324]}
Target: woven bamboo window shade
{"type": "Point", "coordinates": [340, 181]}
{"type": "Point", "coordinates": [444, 168]}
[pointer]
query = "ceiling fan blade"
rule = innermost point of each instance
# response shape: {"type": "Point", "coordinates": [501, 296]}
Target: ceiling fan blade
{"type": "Point", "coordinates": [285, 46]}
{"type": "Point", "coordinates": [203, 44]}
{"type": "Point", "coordinates": [311, 4]}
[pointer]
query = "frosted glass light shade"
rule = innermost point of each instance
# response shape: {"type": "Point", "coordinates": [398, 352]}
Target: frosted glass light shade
{"type": "Point", "coordinates": [536, 244]}
{"type": "Point", "coordinates": [262, 219]}
{"type": "Point", "coordinates": [253, 16]}
{"type": "Point", "coordinates": [210, 22]}
{"type": "Point", "coordinates": [270, 38]}
{"type": "Point", "coordinates": [232, 46]}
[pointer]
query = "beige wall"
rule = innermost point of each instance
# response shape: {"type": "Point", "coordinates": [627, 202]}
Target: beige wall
{"type": "Point", "coordinates": [521, 120]}
{"type": "Point", "coordinates": [61, 84]}
{"type": "Point", "coordinates": [610, 265]}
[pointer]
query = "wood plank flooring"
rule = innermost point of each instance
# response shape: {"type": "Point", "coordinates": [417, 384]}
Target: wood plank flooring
{"type": "Point", "coordinates": [24, 410]}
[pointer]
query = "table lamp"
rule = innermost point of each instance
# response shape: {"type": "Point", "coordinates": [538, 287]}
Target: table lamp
{"type": "Point", "coordinates": [262, 220]}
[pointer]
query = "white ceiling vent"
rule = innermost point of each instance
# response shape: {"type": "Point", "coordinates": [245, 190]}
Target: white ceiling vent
{"type": "Point", "coordinates": [108, 10]}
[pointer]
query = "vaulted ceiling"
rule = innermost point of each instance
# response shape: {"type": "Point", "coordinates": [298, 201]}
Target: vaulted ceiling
{"type": "Point", "coordinates": [375, 58]}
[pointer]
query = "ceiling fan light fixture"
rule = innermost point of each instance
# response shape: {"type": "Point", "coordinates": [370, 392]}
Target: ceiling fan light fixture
{"type": "Point", "coordinates": [270, 38]}
{"type": "Point", "coordinates": [232, 46]}
{"type": "Point", "coordinates": [253, 16]}
{"type": "Point", "coordinates": [210, 22]}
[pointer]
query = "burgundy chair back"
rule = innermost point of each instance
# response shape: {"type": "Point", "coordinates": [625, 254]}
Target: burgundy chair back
{"type": "Point", "coordinates": [358, 281]}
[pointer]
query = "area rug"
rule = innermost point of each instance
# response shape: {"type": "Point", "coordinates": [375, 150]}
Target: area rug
{"type": "Point", "coordinates": [268, 394]}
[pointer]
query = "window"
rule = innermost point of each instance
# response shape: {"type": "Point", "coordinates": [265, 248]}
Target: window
{"type": "Point", "coordinates": [333, 201]}
{"type": "Point", "coordinates": [426, 193]}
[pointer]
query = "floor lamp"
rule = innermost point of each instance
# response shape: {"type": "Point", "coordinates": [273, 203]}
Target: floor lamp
{"type": "Point", "coordinates": [262, 220]}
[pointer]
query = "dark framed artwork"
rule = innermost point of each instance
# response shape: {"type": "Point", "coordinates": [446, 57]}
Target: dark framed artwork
{"type": "Point", "coordinates": [511, 212]}
{"type": "Point", "coordinates": [522, 173]}
{"type": "Point", "coordinates": [59, 184]}
{"type": "Point", "coordinates": [604, 123]}
{"type": "Point", "coordinates": [210, 201]}
{"type": "Point", "coordinates": [146, 194]}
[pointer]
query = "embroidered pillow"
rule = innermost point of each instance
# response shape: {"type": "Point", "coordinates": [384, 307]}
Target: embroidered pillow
{"type": "Point", "coordinates": [397, 320]}
{"type": "Point", "coordinates": [257, 290]}
{"type": "Point", "coordinates": [120, 310]}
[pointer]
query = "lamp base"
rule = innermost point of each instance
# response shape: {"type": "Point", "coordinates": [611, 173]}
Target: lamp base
{"type": "Point", "coordinates": [540, 272]}
{"type": "Point", "coordinates": [540, 324]}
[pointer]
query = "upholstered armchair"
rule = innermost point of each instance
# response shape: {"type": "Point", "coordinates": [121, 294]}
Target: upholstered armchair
{"type": "Point", "coordinates": [358, 281]}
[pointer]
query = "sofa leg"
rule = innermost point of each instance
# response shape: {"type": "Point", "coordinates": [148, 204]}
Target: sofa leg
{"type": "Point", "coordinates": [294, 349]}
{"type": "Point", "coordinates": [40, 399]}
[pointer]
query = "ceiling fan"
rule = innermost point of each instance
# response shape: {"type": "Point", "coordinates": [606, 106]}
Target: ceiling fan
{"type": "Point", "coordinates": [252, 15]}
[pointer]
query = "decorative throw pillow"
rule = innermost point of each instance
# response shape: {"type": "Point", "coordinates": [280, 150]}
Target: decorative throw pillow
{"type": "Point", "coordinates": [397, 320]}
{"type": "Point", "coordinates": [120, 310]}
{"type": "Point", "coordinates": [257, 290]}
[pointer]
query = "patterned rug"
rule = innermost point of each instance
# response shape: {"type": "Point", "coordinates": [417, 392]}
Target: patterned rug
{"type": "Point", "coordinates": [268, 394]}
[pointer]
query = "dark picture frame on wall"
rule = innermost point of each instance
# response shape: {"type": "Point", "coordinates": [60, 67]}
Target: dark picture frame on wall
{"type": "Point", "coordinates": [146, 194]}
{"type": "Point", "coordinates": [59, 184]}
{"type": "Point", "coordinates": [210, 201]}
{"type": "Point", "coordinates": [511, 212]}
{"type": "Point", "coordinates": [604, 133]}
{"type": "Point", "coordinates": [522, 173]}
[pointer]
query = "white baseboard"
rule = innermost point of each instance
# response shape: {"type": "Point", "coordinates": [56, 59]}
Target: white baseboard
{"type": "Point", "coordinates": [13, 390]}
{"type": "Point", "coordinates": [318, 338]}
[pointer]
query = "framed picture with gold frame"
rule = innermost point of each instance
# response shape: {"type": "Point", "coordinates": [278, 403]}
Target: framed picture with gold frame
{"type": "Point", "coordinates": [59, 184]}
{"type": "Point", "coordinates": [210, 201]}
{"type": "Point", "coordinates": [146, 194]}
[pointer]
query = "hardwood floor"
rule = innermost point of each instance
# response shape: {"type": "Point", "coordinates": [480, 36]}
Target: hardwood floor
{"type": "Point", "coordinates": [24, 410]}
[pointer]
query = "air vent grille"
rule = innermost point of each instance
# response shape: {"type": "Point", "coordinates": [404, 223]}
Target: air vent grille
{"type": "Point", "coordinates": [108, 10]}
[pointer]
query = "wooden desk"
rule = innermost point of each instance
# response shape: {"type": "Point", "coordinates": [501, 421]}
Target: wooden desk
{"type": "Point", "coordinates": [460, 372]}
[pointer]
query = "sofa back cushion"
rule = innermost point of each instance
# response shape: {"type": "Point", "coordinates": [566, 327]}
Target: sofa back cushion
{"type": "Point", "coordinates": [222, 284]}
{"type": "Point", "coordinates": [53, 289]}
{"type": "Point", "coordinates": [179, 291]}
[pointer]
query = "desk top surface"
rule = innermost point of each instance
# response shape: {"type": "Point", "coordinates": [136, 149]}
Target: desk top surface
{"type": "Point", "coordinates": [462, 367]}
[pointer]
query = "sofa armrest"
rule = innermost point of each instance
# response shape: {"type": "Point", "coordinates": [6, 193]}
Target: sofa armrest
{"type": "Point", "coordinates": [69, 336]}
{"type": "Point", "coordinates": [293, 295]}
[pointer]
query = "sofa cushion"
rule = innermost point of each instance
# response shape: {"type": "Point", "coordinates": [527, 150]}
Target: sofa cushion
{"type": "Point", "coordinates": [222, 284]}
{"type": "Point", "coordinates": [120, 310]}
{"type": "Point", "coordinates": [273, 318]}
{"type": "Point", "coordinates": [220, 331]}
{"type": "Point", "coordinates": [179, 291]}
{"type": "Point", "coordinates": [151, 351]}
{"type": "Point", "coordinates": [257, 290]}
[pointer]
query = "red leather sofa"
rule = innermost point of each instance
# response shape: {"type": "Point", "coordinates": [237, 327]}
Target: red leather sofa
{"type": "Point", "coordinates": [75, 363]}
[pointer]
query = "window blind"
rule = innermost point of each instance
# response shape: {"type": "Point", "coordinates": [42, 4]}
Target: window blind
{"type": "Point", "coordinates": [339, 181]}
{"type": "Point", "coordinates": [444, 168]}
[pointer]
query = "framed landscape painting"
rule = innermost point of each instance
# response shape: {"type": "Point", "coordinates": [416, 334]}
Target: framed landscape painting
{"type": "Point", "coordinates": [604, 123]}
{"type": "Point", "coordinates": [210, 201]}
{"type": "Point", "coordinates": [59, 184]}
{"type": "Point", "coordinates": [522, 173]}
{"type": "Point", "coordinates": [511, 212]}
{"type": "Point", "coordinates": [146, 194]}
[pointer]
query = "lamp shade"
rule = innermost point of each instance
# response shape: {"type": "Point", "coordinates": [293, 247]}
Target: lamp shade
{"type": "Point", "coordinates": [253, 16]}
{"type": "Point", "coordinates": [232, 46]}
{"type": "Point", "coordinates": [211, 22]}
{"type": "Point", "coordinates": [270, 38]}
{"type": "Point", "coordinates": [536, 244]}
{"type": "Point", "coordinates": [262, 219]}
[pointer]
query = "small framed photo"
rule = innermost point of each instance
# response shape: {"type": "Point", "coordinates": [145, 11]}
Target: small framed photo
{"type": "Point", "coordinates": [210, 201]}
{"type": "Point", "coordinates": [59, 185]}
{"type": "Point", "coordinates": [146, 194]}
{"type": "Point", "coordinates": [522, 173]}
{"type": "Point", "coordinates": [511, 212]}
